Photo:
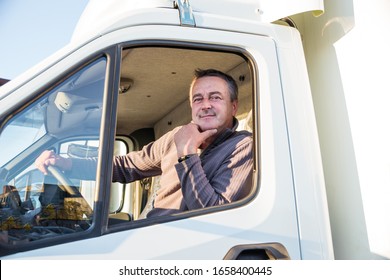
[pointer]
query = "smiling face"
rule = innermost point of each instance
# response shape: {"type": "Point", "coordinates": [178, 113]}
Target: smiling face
{"type": "Point", "coordinates": [211, 104]}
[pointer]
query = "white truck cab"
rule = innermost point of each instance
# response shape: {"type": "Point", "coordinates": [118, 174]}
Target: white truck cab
{"type": "Point", "coordinates": [122, 82]}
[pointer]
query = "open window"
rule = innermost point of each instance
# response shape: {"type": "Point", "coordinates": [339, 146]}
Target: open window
{"type": "Point", "coordinates": [154, 99]}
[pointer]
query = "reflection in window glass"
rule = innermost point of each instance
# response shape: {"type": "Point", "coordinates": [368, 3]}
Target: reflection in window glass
{"type": "Point", "coordinates": [24, 129]}
{"type": "Point", "coordinates": [34, 206]}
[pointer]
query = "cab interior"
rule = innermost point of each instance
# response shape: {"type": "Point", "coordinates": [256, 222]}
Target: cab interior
{"type": "Point", "coordinates": [155, 99]}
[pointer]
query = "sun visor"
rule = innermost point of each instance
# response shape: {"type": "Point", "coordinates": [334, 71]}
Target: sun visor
{"type": "Point", "coordinates": [272, 10]}
{"type": "Point", "coordinates": [259, 10]}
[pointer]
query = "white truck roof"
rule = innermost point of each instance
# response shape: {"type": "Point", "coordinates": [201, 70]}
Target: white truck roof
{"type": "Point", "coordinates": [102, 16]}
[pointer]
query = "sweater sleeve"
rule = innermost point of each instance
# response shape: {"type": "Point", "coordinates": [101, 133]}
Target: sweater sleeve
{"type": "Point", "coordinates": [126, 169]}
{"type": "Point", "coordinates": [144, 163]}
{"type": "Point", "coordinates": [231, 180]}
{"type": "Point", "coordinates": [133, 166]}
{"type": "Point", "coordinates": [84, 169]}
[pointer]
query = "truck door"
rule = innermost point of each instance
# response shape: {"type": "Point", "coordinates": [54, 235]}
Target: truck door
{"type": "Point", "coordinates": [130, 86]}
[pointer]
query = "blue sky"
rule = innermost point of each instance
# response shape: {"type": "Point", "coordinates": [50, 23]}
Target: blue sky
{"type": "Point", "coordinates": [31, 30]}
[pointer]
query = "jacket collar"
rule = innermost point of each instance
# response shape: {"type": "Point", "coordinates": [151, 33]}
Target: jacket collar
{"type": "Point", "coordinates": [222, 136]}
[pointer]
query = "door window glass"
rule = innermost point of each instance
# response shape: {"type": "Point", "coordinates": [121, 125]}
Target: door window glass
{"type": "Point", "coordinates": [66, 119]}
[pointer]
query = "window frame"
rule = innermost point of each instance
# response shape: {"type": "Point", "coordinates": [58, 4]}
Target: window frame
{"type": "Point", "coordinates": [109, 54]}
{"type": "Point", "coordinates": [208, 47]}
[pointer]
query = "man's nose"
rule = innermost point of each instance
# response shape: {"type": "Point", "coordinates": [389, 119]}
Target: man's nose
{"type": "Point", "coordinates": [206, 104]}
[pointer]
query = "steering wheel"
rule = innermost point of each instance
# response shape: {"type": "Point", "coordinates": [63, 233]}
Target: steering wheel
{"type": "Point", "coordinates": [66, 185]}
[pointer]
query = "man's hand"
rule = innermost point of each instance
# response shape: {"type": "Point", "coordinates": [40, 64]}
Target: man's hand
{"type": "Point", "coordinates": [188, 139]}
{"type": "Point", "coordinates": [50, 158]}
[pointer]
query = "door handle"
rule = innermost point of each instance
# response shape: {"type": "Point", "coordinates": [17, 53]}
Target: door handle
{"type": "Point", "coordinates": [260, 251]}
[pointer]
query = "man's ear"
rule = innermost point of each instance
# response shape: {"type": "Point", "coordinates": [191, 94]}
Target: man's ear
{"type": "Point", "coordinates": [234, 107]}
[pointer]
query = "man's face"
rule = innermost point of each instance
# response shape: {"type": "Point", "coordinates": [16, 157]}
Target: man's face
{"type": "Point", "coordinates": [211, 104]}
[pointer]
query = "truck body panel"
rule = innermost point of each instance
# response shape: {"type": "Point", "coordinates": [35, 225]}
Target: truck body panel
{"type": "Point", "coordinates": [287, 205]}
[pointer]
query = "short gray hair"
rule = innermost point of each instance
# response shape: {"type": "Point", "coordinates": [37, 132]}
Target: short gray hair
{"type": "Point", "coordinates": [231, 83]}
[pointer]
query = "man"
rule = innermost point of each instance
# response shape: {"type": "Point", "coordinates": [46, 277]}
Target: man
{"type": "Point", "coordinates": [204, 163]}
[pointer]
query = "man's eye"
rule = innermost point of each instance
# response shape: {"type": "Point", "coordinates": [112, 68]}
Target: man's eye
{"type": "Point", "coordinates": [216, 97]}
{"type": "Point", "coordinates": [196, 100]}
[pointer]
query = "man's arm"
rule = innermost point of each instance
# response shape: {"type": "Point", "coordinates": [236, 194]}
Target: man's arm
{"type": "Point", "coordinates": [188, 139]}
{"type": "Point", "coordinates": [48, 157]}
{"type": "Point", "coordinates": [231, 177]}
{"type": "Point", "coordinates": [77, 168]}
{"type": "Point", "coordinates": [126, 168]}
